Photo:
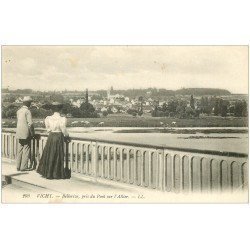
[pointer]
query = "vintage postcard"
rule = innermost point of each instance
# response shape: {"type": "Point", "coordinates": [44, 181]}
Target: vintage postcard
{"type": "Point", "coordinates": [124, 124]}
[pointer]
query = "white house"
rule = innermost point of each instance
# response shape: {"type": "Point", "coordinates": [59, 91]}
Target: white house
{"type": "Point", "coordinates": [104, 109]}
{"type": "Point", "coordinates": [114, 110]}
{"type": "Point", "coordinates": [78, 103]}
{"type": "Point", "coordinates": [19, 100]}
{"type": "Point", "coordinates": [112, 101]}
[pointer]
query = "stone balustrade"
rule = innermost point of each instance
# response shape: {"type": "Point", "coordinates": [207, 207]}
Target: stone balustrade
{"type": "Point", "coordinates": [148, 166]}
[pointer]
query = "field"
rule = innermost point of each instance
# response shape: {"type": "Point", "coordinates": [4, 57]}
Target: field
{"type": "Point", "coordinates": [144, 121]}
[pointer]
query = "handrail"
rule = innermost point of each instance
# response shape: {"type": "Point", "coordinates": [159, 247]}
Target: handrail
{"type": "Point", "coordinates": [135, 144]}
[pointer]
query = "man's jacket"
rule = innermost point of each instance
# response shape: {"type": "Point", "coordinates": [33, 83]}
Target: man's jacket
{"type": "Point", "coordinates": [25, 128]}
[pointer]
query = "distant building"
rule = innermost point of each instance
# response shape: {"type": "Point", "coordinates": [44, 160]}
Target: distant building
{"type": "Point", "coordinates": [112, 95]}
{"type": "Point", "coordinates": [112, 100]}
{"type": "Point", "coordinates": [78, 103]}
{"type": "Point", "coordinates": [19, 100]}
{"type": "Point", "coordinates": [104, 109]}
{"type": "Point", "coordinates": [114, 110]}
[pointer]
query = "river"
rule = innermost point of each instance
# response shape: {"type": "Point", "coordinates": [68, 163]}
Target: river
{"type": "Point", "coordinates": [230, 142]}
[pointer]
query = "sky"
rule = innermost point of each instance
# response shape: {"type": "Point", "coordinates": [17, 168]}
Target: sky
{"type": "Point", "coordinates": [124, 67]}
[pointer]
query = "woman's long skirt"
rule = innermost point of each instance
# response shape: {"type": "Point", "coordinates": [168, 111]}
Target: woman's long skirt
{"type": "Point", "coordinates": [51, 165]}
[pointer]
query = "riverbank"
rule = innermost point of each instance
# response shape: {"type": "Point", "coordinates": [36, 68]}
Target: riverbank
{"type": "Point", "coordinates": [185, 130]}
{"type": "Point", "coordinates": [123, 120]}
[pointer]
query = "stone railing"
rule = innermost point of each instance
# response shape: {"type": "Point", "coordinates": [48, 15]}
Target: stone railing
{"type": "Point", "coordinates": [148, 166]}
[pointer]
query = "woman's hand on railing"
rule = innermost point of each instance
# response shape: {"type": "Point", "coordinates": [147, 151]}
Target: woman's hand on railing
{"type": "Point", "coordinates": [37, 136]}
{"type": "Point", "coordinates": [67, 139]}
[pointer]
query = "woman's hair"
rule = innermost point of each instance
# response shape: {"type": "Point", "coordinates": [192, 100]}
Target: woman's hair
{"type": "Point", "coordinates": [57, 108]}
{"type": "Point", "coordinates": [27, 103]}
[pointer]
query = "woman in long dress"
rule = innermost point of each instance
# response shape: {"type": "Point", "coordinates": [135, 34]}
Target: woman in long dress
{"type": "Point", "coordinates": [51, 165]}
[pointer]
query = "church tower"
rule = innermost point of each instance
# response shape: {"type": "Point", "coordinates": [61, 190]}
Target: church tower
{"type": "Point", "coordinates": [87, 97]}
{"type": "Point", "coordinates": [110, 92]}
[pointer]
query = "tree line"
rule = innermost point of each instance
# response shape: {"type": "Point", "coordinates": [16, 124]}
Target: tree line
{"type": "Point", "coordinates": [209, 106]}
{"type": "Point", "coordinates": [86, 109]}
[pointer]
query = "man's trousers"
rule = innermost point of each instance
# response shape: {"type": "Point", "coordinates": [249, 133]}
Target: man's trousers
{"type": "Point", "coordinates": [23, 154]}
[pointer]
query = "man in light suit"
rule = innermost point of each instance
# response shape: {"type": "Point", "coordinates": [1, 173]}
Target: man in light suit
{"type": "Point", "coordinates": [24, 134]}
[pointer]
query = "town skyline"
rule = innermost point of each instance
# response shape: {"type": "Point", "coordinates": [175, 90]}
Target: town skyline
{"type": "Point", "coordinates": [117, 89]}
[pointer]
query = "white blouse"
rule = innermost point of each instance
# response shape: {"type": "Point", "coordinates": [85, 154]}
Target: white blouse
{"type": "Point", "coordinates": [56, 123]}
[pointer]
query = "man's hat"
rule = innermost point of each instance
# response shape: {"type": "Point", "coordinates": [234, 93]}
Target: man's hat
{"type": "Point", "coordinates": [27, 99]}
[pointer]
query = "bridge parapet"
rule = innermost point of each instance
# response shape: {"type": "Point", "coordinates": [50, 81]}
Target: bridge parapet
{"type": "Point", "coordinates": [148, 166]}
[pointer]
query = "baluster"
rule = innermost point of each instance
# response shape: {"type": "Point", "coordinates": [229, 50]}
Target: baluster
{"type": "Point", "coordinates": [3, 144]}
{"type": "Point", "coordinates": [149, 169]}
{"type": "Point", "coordinates": [244, 175]}
{"type": "Point", "coordinates": [103, 162]}
{"type": "Point", "coordinates": [15, 141]}
{"type": "Point", "coordinates": [231, 177]}
{"type": "Point", "coordinates": [115, 163]}
{"type": "Point", "coordinates": [108, 161]}
{"type": "Point", "coordinates": [84, 146]}
{"type": "Point", "coordinates": [2, 135]}
{"type": "Point", "coordinates": [190, 173]}
{"type": "Point", "coordinates": [81, 149]}
{"type": "Point", "coordinates": [220, 175]}
{"type": "Point", "coordinates": [6, 147]}
{"type": "Point", "coordinates": [2, 140]}
{"type": "Point", "coordinates": [158, 170]}
{"type": "Point", "coordinates": [173, 172]}
{"type": "Point", "coordinates": [181, 173]}
{"type": "Point", "coordinates": [72, 156]}
{"type": "Point", "coordinates": [14, 145]}
{"type": "Point", "coordinates": [16, 148]}
{"type": "Point", "coordinates": [95, 160]}
{"type": "Point", "coordinates": [128, 166]}
{"type": "Point", "coordinates": [142, 167]}
{"type": "Point", "coordinates": [163, 171]}
{"type": "Point", "coordinates": [201, 174]}
{"type": "Point", "coordinates": [87, 158]}
{"type": "Point", "coordinates": [11, 146]}
{"type": "Point", "coordinates": [92, 158]}
{"type": "Point", "coordinates": [211, 175]}
{"type": "Point", "coordinates": [135, 167]}
{"type": "Point", "coordinates": [76, 157]}
{"type": "Point", "coordinates": [121, 165]}
{"type": "Point", "coordinates": [11, 154]}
